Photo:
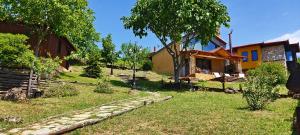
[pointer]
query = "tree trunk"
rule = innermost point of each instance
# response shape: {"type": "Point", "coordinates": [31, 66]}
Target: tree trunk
{"type": "Point", "coordinates": [112, 69]}
{"type": "Point", "coordinates": [37, 47]}
{"type": "Point", "coordinates": [176, 70]}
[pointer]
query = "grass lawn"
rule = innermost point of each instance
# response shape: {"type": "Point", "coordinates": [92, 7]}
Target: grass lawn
{"type": "Point", "coordinates": [187, 113]}
{"type": "Point", "coordinates": [236, 85]}
{"type": "Point", "coordinates": [200, 113]}
{"type": "Point", "coordinates": [37, 109]}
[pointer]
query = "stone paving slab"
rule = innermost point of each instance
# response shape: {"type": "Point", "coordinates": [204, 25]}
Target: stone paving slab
{"type": "Point", "coordinates": [66, 123]}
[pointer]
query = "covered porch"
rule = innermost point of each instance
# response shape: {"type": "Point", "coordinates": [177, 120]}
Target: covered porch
{"type": "Point", "coordinates": [202, 65]}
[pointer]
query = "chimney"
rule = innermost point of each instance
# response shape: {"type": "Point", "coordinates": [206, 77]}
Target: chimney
{"type": "Point", "coordinates": [154, 49]}
{"type": "Point", "coordinates": [230, 42]}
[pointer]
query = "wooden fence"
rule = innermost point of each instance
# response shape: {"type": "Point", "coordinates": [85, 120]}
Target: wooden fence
{"type": "Point", "coordinates": [18, 78]}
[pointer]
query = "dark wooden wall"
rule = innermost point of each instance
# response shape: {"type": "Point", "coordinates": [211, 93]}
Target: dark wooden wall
{"type": "Point", "coordinates": [53, 45]}
{"type": "Point", "coordinates": [18, 78]}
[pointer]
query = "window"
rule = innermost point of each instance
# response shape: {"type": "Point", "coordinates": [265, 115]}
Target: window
{"type": "Point", "coordinates": [289, 56]}
{"type": "Point", "coordinates": [196, 44]}
{"type": "Point", "coordinates": [254, 55]}
{"type": "Point", "coordinates": [245, 55]}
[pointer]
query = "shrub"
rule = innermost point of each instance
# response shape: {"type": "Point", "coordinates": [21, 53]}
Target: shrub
{"type": "Point", "coordinates": [147, 66]}
{"type": "Point", "coordinates": [94, 66]}
{"type": "Point", "coordinates": [14, 53]}
{"type": "Point", "coordinates": [261, 84]}
{"type": "Point", "coordinates": [61, 90]}
{"type": "Point", "coordinates": [276, 72]}
{"type": "Point", "coordinates": [103, 86]}
{"type": "Point", "coordinates": [258, 92]}
{"type": "Point", "coordinates": [46, 66]}
{"type": "Point", "coordinates": [93, 70]}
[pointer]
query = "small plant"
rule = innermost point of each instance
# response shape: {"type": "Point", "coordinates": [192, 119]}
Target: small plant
{"type": "Point", "coordinates": [61, 90]}
{"type": "Point", "coordinates": [147, 66]}
{"type": "Point", "coordinates": [103, 86]}
{"type": "Point", "coordinates": [259, 92]}
{"type": "Point", "coordinates": [47, 66]}
{"type": "Point", "coordinates": [93, 69]}
{"type": "Point", "coordinates": [277, 73]}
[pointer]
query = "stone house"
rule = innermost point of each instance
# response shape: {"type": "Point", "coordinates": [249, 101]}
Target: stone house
{"type": "Point", "coordinates": [258, 53]}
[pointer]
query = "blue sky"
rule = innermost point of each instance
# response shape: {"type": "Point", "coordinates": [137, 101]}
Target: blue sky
{"type": "Point", "coordinates": [251, 20]}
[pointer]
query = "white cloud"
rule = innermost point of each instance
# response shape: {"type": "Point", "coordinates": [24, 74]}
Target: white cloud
{"type": "Point", "coordinates": [293, 37]}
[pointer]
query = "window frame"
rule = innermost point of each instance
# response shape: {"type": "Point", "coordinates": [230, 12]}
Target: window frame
{"type": "Point", "coordinates": [252, 56]}
{"type": "Point", "coordinates": [246, 58]}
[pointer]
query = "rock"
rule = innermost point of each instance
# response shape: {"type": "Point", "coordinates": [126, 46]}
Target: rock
{"type": "Point", "coordinates": [296, 96]}
{"type": "Point", "coordinates": [12, 119]}
{"type": "Point", "coordinates": [230, 91]}
{"type": "Point", "coordinates": [15, 94]}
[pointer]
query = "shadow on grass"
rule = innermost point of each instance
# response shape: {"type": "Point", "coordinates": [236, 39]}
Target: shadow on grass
{"type": "Point", "coordinates": [64, 75]}
{"type": "Point", "coordinates": [144, 84]}
{"type": "Point", "coordinates": [295, 120]}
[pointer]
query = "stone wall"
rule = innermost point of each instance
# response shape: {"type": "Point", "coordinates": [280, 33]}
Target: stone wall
{"type": "Point", "coordinates": [273, 53]}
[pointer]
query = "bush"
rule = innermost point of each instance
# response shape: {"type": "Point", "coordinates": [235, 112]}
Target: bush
{"type": "Point", "coordinates": [94, 66]}
{"type": "Point", "coordinates": [259, 92]}
{"type": "Point", "coordinates": [46, 66]}
{"type": "Point", "coordinates": [276, 73]}
{"type": "Point", "coordinates": [61, 90]}
{"type": "Point", "coordinates": [147, 66]}
{"type": "Point", "coordinates": [261, 84]}
{"type": "Point", "coordinates": [93, 70]}
{"type": "Point", "coordinates": [103, 86]}
{"type": "Point", "coordinates": [14, 53]}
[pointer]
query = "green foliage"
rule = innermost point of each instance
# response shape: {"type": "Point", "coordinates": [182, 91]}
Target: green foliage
{"type": "Point", "coordinates": [147, 66]}
{"type": "Point", "coordinates": [104, 86]}
{"type": "Point", "coordinates": [108, 52]}
{"type": "Point", "coordinates": [93, 69]}
{"type": "Point", "coordinates": [262, 84]}
{"type": "Point", "coordinates": [298, 60]}
{"type": "Point", "coordinates": [14, 52]}
{"type": "Point", "coordinates": [170, 19]}
{"type": "Point", "coordinates": [46, 66]}
{"type": "Point", "coordinates": [259, 92]}
{"type": "Point", "coordinates": [134, 54]}
{"type": "Point", "coordinates": [68, 18]}
{"type": "Point", "coordinates": [61, 90]}
{"type": "Point", "coordinates": [275, 71]}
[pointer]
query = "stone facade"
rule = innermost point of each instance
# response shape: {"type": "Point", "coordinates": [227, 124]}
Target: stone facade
{"type": "Point", "coordinates": [273, 53]}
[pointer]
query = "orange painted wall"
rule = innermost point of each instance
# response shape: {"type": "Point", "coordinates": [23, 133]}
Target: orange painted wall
{"type": "Point", "coordinates": [250, 64]}
{"type": "Point", "coordinates": [163, 62]}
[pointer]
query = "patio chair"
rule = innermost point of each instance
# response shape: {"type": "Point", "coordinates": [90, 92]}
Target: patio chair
{"type": "Point", "coordinates": [217, 75]}
{"type": "Point", "coordinates": [227, 75]}
{"type": "Point", "coordinates": [241, 75]}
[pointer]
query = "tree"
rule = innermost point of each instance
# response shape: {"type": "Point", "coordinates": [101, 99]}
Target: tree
{"type": "Point", "coordinates": [108, 52]}
{"type": "Point", "coordinates": [14, 53]}
{"type": "Point", "coordinates": [69, 18]}
{"type": "Point", "coordinates": [170, 19]}
{"type": "Point", "coordinates": [93, 68]}
{"type": "Point", "coordinates": [135, 56]}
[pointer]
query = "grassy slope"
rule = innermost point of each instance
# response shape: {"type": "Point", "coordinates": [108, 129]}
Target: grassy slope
{"type": "Point", "coordinates": [40, 108]}
{"type": "Point", "coordinates": [201, 113]}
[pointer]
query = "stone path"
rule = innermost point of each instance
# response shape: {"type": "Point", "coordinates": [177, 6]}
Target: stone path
{"type": "Point", "coordinates": [66, 123]}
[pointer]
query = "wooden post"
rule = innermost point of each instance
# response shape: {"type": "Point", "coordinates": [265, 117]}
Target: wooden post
{"type": "Point", "coordinates": [297, 123]}
{"type": "Point", "coordinates": [29, 83]}
{"type": "Point", "coordinates": [223, 82]}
